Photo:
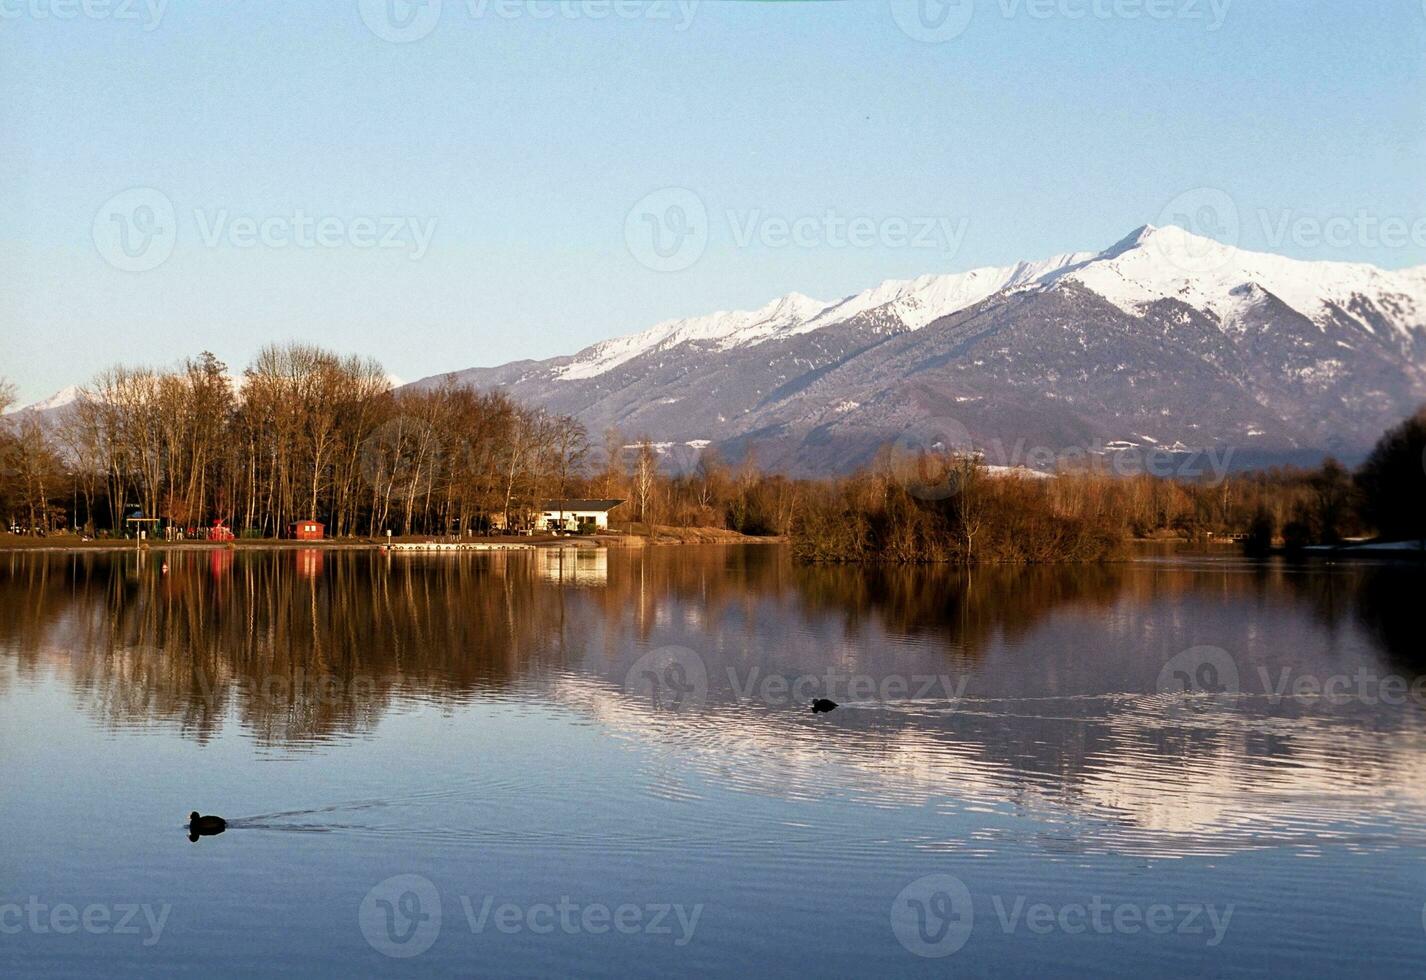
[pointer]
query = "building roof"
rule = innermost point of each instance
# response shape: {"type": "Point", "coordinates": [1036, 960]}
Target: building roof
{"type": "Point", "coordinates": [546, 505]}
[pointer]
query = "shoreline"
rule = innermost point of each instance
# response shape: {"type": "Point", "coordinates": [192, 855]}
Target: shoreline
{"type": "Point", "coordinates": [410, 544]}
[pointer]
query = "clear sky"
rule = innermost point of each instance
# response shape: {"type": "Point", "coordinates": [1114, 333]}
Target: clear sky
{"type": "Point", "coordinates": [462, 184]}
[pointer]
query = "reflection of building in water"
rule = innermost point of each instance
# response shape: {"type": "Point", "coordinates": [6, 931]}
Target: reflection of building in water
{"type": "Point", "coordinates": [309, 562]}
{"type": "Point", "coordinates": [574, 566]}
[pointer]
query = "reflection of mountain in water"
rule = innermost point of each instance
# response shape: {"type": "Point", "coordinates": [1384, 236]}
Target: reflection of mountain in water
{"type": "Point", "coordinates": [1044, 696]}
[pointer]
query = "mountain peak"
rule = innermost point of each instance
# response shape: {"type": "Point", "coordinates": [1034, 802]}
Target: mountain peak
{"type": "Point", "coordinates": [59, 399]}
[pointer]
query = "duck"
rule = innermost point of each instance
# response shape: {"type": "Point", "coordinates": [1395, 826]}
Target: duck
{"type": "Point", "coordinates": [201, 826]}
{"type": "Point", "coordinates": [823, 704]}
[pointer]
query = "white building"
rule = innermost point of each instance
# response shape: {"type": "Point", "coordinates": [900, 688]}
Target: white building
{"type": "Point", "coordinates": [576, 515]}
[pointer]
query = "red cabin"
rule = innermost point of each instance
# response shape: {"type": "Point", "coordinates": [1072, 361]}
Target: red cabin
{"type": "Point", "coordinates": [308, 530]}
{"type": "Point", "coordinates": [220, 531]}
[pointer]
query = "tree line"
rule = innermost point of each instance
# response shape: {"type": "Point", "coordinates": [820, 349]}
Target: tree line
{"type": "Point", "coordinates": [308, 434]}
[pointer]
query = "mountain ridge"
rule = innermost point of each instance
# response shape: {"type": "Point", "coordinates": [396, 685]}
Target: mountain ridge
{"type": "Point", "coordinates": [1315, 357]}
{"type": "Point", "coordinates": [1163, 339]}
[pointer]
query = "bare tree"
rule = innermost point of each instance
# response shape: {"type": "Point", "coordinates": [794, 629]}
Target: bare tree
{"type": "Point", "coordinates": [646, 466]}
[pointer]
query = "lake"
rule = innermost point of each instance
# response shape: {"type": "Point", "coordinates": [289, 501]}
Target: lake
{"type": "Point", "coordinates": [603, 762]}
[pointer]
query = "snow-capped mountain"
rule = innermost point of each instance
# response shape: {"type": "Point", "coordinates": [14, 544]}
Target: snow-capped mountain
{"type": "Point", "coordinates": [1165, 339]}
{"type": "Point", "coordinates": [1170, 263]}
{"type": "Point", "coordinates": [910, 302]}
{"type": "Point", "coordinates": [59, 399]}
{"type": "Point", "coordinates": [724, 329]}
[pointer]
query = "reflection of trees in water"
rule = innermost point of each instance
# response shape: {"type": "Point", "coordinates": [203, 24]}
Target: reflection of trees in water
{"type": "Point", "coordinates": [1384, 599]}
{"type": "Point", "coordinates": [967, 605]}
{"type": "Point", "coordinates": [295, 651]}
{"type": "Point", "coordinates": [305, 645]}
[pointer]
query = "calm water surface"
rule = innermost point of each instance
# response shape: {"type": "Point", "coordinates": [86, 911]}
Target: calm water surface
{"type": "Point", "coordinates": [603, 763]}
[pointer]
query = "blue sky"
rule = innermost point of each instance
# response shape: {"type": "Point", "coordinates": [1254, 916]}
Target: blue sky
{"type": "Point", "coordinates": [481, 183]}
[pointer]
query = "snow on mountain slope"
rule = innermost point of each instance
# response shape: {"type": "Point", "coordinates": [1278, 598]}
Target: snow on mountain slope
{"type": "Point", "coordinates": [1171, 263]}
{"type": "Point", "coordinates": [917, 302]}
{"type": "Point", "coordinates": [728, 329]}
{"type": "Point", "coordinates": [913, 302]}
{"type": "Point", "coordinates": [59, 399]}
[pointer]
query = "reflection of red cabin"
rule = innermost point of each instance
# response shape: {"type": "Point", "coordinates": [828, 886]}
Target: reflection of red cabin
{"type": "Point", "coordinates": [308, 530]}
{"type": "Point", "coordinates": [309, 562]}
